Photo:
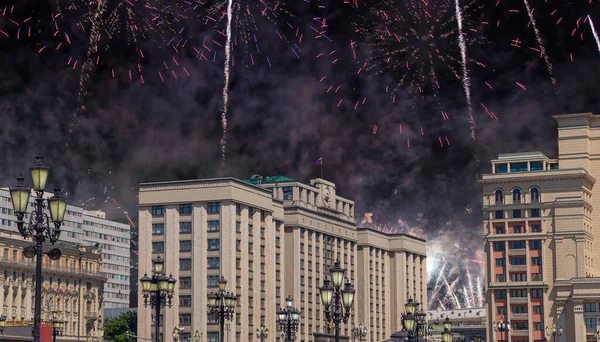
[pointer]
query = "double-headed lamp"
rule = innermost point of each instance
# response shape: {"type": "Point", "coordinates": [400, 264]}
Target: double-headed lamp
{"type": "Point", "coordinates": [326, 292]}
{"type": "Point", "coordinates": [337, 274]}
{"type": "Point", "coordinates": [20, 196]}
{"type": "Point", "coordinates": [39, 173]}
{"type": "Point", "coordinates": [348, 295]}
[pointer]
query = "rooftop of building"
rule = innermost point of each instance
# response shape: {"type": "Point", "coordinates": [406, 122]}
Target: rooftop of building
{"type": "Point", "coordinates": [390, 234]}
{"type": "Point", "coordinates": [258, 180]}
{"type": "Point", "coordinates": [170, 185]}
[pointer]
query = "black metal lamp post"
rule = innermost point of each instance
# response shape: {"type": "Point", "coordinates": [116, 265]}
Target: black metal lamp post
{"type": "Point", "coordinates": [262, 333]}
{"type": "Point", "coordinates": [40, 227]}
{"type": "Point", "coordinates": [158, 291]}
{"type": "Point", "coordinates": [552, 331]}
{"type": "Point", "coordinates": [288, 320]}
{"type": "Point", "coordinates": [360, 332]}
{"type": "Point", "coordinates": [337, 300]}
{"type": "Point", "coordinates": [222, 306]}
{"type": "Point", "coordinates": [2, 323]}
{"type": "Point", "coordinates": [502, 327]}
{"type": "Point", "coordinates": [447, 333]}
{"type": "Point", "coordinates": [57, 325]}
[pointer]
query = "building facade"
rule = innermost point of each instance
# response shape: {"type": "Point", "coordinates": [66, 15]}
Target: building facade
{"type": "Point", "coordinates": [72, 285]}
{"type": "Point", "coordinates": [539, 228]}
{"type": "Point", "coordinates": [391, 269]}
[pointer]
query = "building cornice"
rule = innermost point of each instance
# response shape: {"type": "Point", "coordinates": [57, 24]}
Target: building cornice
{"type": "Point", "coordinates": [198, 184]}
{"type": "Point", "coordinates": [539, 176]}
{"type": "Point", "coordinates": [410, 237]}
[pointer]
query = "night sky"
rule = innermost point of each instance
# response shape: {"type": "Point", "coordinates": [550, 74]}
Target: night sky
{"type": "Point", "coordinates": [120, 132]}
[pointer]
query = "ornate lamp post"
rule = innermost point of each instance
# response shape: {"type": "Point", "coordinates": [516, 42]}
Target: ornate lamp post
{"type": "Point", "coordinates": [502, 327]}
{"type": "Point", "coordinates": [40, 227]}
{"type": "Point", "coordinates": [57, 325]}
{"type": "Point", "coordinates": [337, 300]}
{"type": "Point", "coordinates": [222, 306]}
{"type": "Point", "coordinates": [447, 333]}
{"type": "Point", "coordinates": [414, 320]}
{"type": "Point", "coordinates": [197, 336]}
{"type": "Point", "coordinates": [176, 332]}
{"type": "Point", "coordinates": [262, 333]}
{"type": "Point", "coordinates": [552, 331]}
{"type": "Point", "coordinates": [360, 332]}
{"type": "Point", "coordinates": [158, 291]}
{"type": "Point", "coordinates": [288, 319]}
{"type": "Point", "coordinates": [2, 323]}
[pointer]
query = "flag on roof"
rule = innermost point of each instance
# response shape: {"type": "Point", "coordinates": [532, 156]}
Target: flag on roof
{"type": "Point", "coordinates": [318, 161]}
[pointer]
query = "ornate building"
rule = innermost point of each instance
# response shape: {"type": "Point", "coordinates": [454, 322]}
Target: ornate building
{"type": "Point", "coordinates": [72, 286]}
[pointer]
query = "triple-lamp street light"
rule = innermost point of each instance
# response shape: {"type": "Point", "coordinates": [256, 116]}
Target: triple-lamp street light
{"type": "Point", "coordinates": [414, 320]}
{"type": "Point", "coordinates": [447, 333]}
{"type": "Point", "coordinates": [222, 306]}
{"type": "Point", "coordinates": [552, 331]}
{"type": "Point", "coordinates": [57, 325]}
{"type": "Point", "coordinates": [288, 320]}
{"type": "Point", "coordinates": [158, 291]}
{"type": "Point", "coordinates": [502, 327]}
{"type": "Point", "coordinates": [40, 226]}
{"type": "Point", "coordinates": [262, 333]}
{"type": "Point", "coordinates": [360, 332]}
{"type": "Point", "coordinates": [337, 300]}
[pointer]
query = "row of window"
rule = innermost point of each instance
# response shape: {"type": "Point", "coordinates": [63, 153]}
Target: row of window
{"type": "Point", "coordinates": [185, 264]}
{"type": "Point", "coordinates": [533, 245]}
{"type": "Point", "coordinates": [519, 293]}
{"type": "Point", "coordinates": [516, 194]}
{"type": "Point", "coordinates": [517, 229]}
{"type": "Point", "coordinates": [537, 309]}
{"type": "Point", "coordinates": [522, 167]}
{"type": "Point", "coordinates": [519, 261]}
{"type": "Point", "coordinates": [186, 209]}
{"type": "Point", "coordinates": [519, 277]}
{"type": "Point", "coordinates": [517, 213]}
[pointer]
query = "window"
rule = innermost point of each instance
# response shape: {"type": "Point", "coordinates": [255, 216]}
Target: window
{"type": "Point", "coordinates": [518, 261]}
{"type": "Point", "coordinates": [213, 207]}
{"type": "Point", "coordinates": [590, 307]}
{"type": "Point", "coordinates": [238, 208]}
{"type": "Point", "coordinates": [185, 245]}
{"type": "Point", "coordinates": [215, 225]}
{"type": "Point", "coordinates": [518, 277]}
{"type": "Point", "coordinates": [539, 326]}
{"type": "Point", "coordinates": [501, 168]}
{"type": "Point", "coordinates": [537, 293]}
{"type": "Point", "coordinates": [554, 166]}
{"type": "Point", "coordinates": [213, 262]}
{"type": "Point", "coordinates": [499, 197]}
{"type": "Point", "coordinates": [536, 244]}
{"type": "Point", "coordinates": [500, 262]}
{"type": "Point", "coordinates": [518, 167]}
{"type": "Point", "coordinates": [288, 193]}
{"type": "Point", "coordinates": [212, 281]}
{"type": "Point", "coordinates": [185, 300]}
{"type": "Point", "coordinates": [517, 229]}
{"type": "Point", "coordinates": [499, 214]}
{"type": "Point", "coordinates": [249, 229]}
{"type": "Point", "coordinates": [158, 228]}
{"type": "Point", "coordinates": [250, 212]}
{"type": "Point", "coordinates": [185, 227]}
{"type": "Point", "coordinates": [185, 282]}
{"type": "Point", "coordinates": [185, 264]}
{"type": "Point", "coordinates": [501, 310]}
{"type": "Point", "coordinates": [518, 309]}
{"type": "Point", "coordinates": [158, 246]}
{"type": "Point", "coordinates": [536, 261]}
{"type": "Point", "coordinates": [535, 195]}
{"type": "Point", "coordinates": [158, 210]}
{"type": "Point", "coordinates": [185, 319]}
{"type": "Point", "coordinates": [535, 212]}
{"type": "Point", "coordinates": [500, 230]}
{"type": "Point", "coordinates": [516, 213]}
{"type": "Point", "coordinates": [500, 294]}
{"type": "Point", "coordinates": [535, 166]}
{"type": "Point", "coordinates": [238, 228]}
{"type": "Point", "coordinates": [536, 277]}
{"type": "Point", "coordinates": [516, 196]}
{"type": "Point", "coordinates": [517, 245]}
{"type": "Point", "coordinates": [535, 228]}
{"type": "Point", "coordinates": [213, 244]}
{"type": "Point", "coordinates": [185, 209]}
{"type": "Point", "coordinates": [539, 309]}
{"type": "Point", "coordinates": [521, 293]}
{"type": "Point", "coordinates": [501, 278]}
{"type": "Point", "coordinates": [214, 336]}
{"type": "Point", "coordinates": [591, 324]}
{"type": "Point", "coordinates": [499, 246]}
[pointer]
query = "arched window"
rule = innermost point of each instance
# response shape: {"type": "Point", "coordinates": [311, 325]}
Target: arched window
{"type": "Point", "coordinates": [535, 195]}
{"type": "Point", "coordinates": [499, 197]}
{"type": "Point", "coordinates": [516, 195]}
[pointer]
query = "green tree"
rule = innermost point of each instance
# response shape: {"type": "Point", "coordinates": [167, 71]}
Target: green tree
{"type": "Point", "coordinates": [116, 328]}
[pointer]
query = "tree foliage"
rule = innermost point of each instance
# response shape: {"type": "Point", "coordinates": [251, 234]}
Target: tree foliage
{"type": "Point", "coordinates": [116, 328]}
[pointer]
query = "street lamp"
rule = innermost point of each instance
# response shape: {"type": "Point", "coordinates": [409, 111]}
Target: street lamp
{"type": "Point", "coordinates": [176, 333]}
{"type": "Point", "coordinates": [40, 226]}
{"type": "Point", "coordinates": [288, 320]}
{"type": "Point", "coordinates": [158, 291]}
{"type": "Point", "coordinates": [57, 325]}
{"type": "Point", "coordinates": [222, 306]}
{"type": "Point", "coordinates": [262, 333]}
{"type": "Point", "coordinates": [502, 327]}
{"type": "Point", "coordinates": [552, 331]}
{"type": "Point", "coordinates": [360, 332]}
{"type": "Point", "coordinates": [596, 334]}
{"type": "Point", "coordinates": [337, 300]}
{"type": "Point", "coordinates": [447, 333]}
{"type": "Point", "coordinates": [476, 338]}
{"type": "Point", "coordinates": [2, 323]}
{"type": "Point", "coordinates": [414, 320]}
{"type": "Point", "coordinates": [197, 336]}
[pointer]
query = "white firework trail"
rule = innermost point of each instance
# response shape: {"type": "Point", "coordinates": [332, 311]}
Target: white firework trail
{"type": "Point", "coordinates": [442, 305]}
{"type": "Point", "coordinates": [226, 88]}
{"type": "Point", "coordinates": [480, 298]}
{"type": "Point", "coordinates": [471, 295]}
{"type": "Point", "coordinates": [538, 36]}
{"type": "Point", "coordinates": [437, 288]}
{"type": "Point", "coordinates": [467, 296]}
{"type": "Point", "coordinates": [594, 32]}
{"type": "Point", "coordinates": [451, 294]}
{"type": "Point", "coordinates": [466, 80]}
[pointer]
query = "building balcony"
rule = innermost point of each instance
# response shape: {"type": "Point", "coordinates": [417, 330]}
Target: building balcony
{"type": "Point", "coordinates": [517, 268]}
{"type": "Point", "coordinates": [517, 251]}
{"type": "Point", "coordinates": [519, 333]}
{"type": "Point", "coordinates": [518, 300]}
{"type": "Point", "coordinates": [519, 316]}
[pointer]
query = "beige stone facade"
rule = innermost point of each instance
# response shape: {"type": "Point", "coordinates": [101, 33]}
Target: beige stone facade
{"type": "Point", "coordinates": [539, 228]}
{"type": "Point", "coordinates": [392, 268]}
{"type": "Point", "coordinates": [72, 285]}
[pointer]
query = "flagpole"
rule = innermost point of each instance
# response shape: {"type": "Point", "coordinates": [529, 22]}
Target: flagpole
{"type": "Point", "coordinates": [322, 168]}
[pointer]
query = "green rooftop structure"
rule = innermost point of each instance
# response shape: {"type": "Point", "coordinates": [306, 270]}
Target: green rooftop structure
{"type": "Point", "coordinates": [257, 180]}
